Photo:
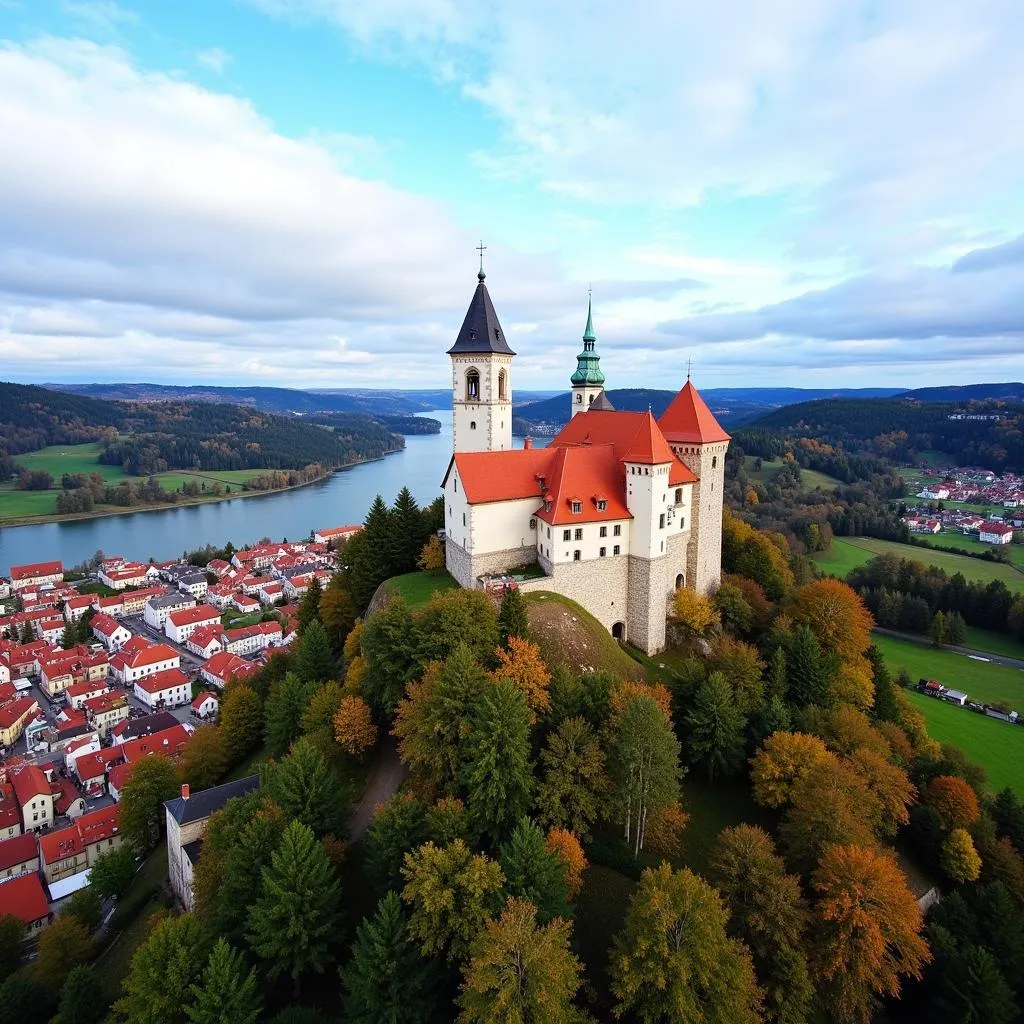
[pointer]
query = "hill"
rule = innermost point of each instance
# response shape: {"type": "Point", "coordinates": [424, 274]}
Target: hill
{"type": "Point", "coordinates": [1009, 392]}
{"type": "Point", "coordinates": [731, 406]}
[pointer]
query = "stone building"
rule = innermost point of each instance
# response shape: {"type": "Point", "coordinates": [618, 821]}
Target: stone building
{"type": "Point", "coordinates": [618, 511]}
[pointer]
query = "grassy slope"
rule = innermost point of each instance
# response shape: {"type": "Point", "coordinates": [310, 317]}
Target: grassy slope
{"type": "Point", "coordinates": [983, 681]}
{"type": "Point", "coordinates": [997, 746]}
{"type": "Point", "coordinates": [958, 540]}
{"type": "Point", "coordinates": [849, 552]}
{"type": "Point", "coordinates": [994, 643]}
{"type": "Point", "coordinates": [810, 478]}
{"type": "Point", "coordinates": [419, 587]}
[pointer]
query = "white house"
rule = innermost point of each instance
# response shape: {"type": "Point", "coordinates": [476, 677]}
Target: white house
{"type": "Point", "coordinates": [139, 658]}
{"type": "Point", "coordinates": [252, 639]}
{"type": "Point", "coordinates": [158, 608]}
{"type": "Point", "coordinates": [166, 689]}
{"type": "Point", "coordinates": [995, 533]}
{"type": "Point", "coordinates": [180, 625]}
{"type": "Point", "coordinates": [111, 633]}
{"type": "Point", "coordinates": [206, 641]}
{"type": "Point", "coordinates": [223, 667]}
{"type": "Point", "coordinates": [205, 705]}
{"type": "Point", "coordinates": [79, 748]}
{"type": "Point", "coordinates": [36, 574]}
{"type": "Point", "coordinates": [244, 603]}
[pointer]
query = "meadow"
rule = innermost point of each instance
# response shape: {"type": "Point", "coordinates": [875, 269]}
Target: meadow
{"type": "Point", "coordinates": [810, 478]}
{"type": "Point", "coordinates": [959, 540]}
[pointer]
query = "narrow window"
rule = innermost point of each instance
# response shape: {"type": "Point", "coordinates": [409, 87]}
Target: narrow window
{"type": "Point", "coordinates": [472, 424]}
{"type": "Point", "coordinates": [501, 385]}
{"type": "Point", "coordinates": [579, 533]}
{"type": "Point", "coordinates": [472, 386]}
{"type": "Point", "coordinates": [714, 461]}
{"type": "Point", "coordinates": [604, 531]}
{"type": "Point", "coordinates": [566, 535]}
{"type": "Point", "coordinates": [661, 521]}
{"type": "Point", "coordinates": [615, 550]}
{"type": "Point", "coordinates": [463, 518]}
{"type": "Point", "coordinates": [603, 552]}
{"type": "Point", "coordinates": [576, 555]}
{"type": "Point", "coordinates": [617, 530]}
{"type": "Point", "coordinates": [679, 495]}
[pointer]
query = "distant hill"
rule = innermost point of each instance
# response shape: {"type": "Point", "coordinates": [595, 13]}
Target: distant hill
{"type": "Point", "coordinates": [732, 406]}
{"type": "Point", "coordinates": [1009, 392]}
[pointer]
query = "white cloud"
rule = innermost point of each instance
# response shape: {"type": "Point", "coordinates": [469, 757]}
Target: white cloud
{"type": "Point", "coordinates": [102, 16]}
{"type": "Point", "coordinates": [214, 59]}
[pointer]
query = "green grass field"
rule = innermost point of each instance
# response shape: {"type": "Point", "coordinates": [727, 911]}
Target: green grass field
{"type": "Point", "coordinates": [983, 681]}
{"type": "Point", "coordinates": [419, 587]}
{"type": "Point", "coordinates": [69, 458]}
{"type": "Point", "coordinates": [994, 643]}
{"type": "Point", "coordinates": [810, 478]}
{"type": "Point", "coordinates": [958, 540]}
{"type": "Point", "coordinates": [847, 553]}
{"type": "Point", "coordinates": [997, 746]}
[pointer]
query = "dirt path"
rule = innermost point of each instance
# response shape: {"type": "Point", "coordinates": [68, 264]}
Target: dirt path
{"type": "Point", "coordinates": [387, 773]}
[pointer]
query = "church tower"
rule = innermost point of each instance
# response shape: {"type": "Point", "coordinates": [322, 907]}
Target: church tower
{"type": "Point", "coordinates": [588, 380]}
{"type": "Point", "coordinates": [481, 378]}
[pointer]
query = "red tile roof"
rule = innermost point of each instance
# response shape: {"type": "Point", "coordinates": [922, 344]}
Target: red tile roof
{"type": "Point", "coordinates": [104, 624]}
{"type": "Point", "coordinates": [204, 635]}
{"type": "Point", "coordinates": [24, 898]}
{"type": "Point", "coordinates": [92, 766]}
{"type": "Point", "coordinates": [502, 476]}
{"type": "Point", "coordinates": [17, 850]}
{"type": "Point", "coordinates": [203, 697]}
{"type": "Point", "coordinates": [10, 713]}
{"type": "Point", "coordinates": [585, 475]}
{"type": "Point", "coordinates": [150, 654]}
{"type": "Point", "coordinates": [80, 689]}
{"type": "Point", "coordinates": [104, 702]}
{"type": "Point", "coordinates": [98, 825]}
{"type": "Point", "coordinates": [223, 665]}
{"type": "Point", "coordinates": [168, 742]}
{"type": "Point", "coordinates": [164, 680]}
{"type": "Point", "coordinates": [201, 613]}
{"type": "Point", "coordinates": [61, 845]}
{"type": "Point", "coordinates": [688, 419]}
{"type": "Point", "coordinates": [119, 775]}
{"type": "Point", "coordinates": [28, 572]}
{"type": "Point", "coordinates": [29, 782]}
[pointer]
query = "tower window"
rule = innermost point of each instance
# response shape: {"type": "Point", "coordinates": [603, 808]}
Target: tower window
{"type": "Point", "coordinates": [576, 555]}
{"type": "Point", "coordinates": [661, 521]}
{"type": "Point", "coordinates": [472, 424]}
{"type": "Point", "coordinates": [472, 386]}
{"type": "Point", "coordinates": [590, 400]}
{"type": "Point", "coordinates": [502, 397]}
{"type": "Point", "coordinates": [714, 461]}
{"type": "Point", "coordinates": [679, 495]}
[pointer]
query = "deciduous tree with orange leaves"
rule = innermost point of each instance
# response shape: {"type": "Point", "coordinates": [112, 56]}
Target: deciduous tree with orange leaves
{"type": "Point", "coordinates": [866, 935]}
{"type": "Point", "coordinates": [836, 616]}
{"type": "Point", "coordinates": [954, 799]}
{"type": "Point", "coordinates": [522, 665]}
{"type": "Point", "coordinates": [353, 726]}
{"type": "Point", "coordinates": [567, 846]}
{"type": "Point", "coordinates": [623, 693]}
{"type": "Point", "coordinates": [782, 761]}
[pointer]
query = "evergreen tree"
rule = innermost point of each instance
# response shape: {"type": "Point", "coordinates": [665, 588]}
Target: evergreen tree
{"type": "Point", "coordinates": [228, 993]}
{"type": "Point", "coordinates": [388, 645]}
{"type": "Point", "coordinates": [12, 932]}
{"type": "Point", "coordinates": [512, 618]}
{"type": "Point", "coordinates": [241, 721]}
{"type": "Point", "coordinates": [1008, 814]}
{"type": "Point", "coordinates": [886, 706]}
{"type": "Point", "coordinates": [715, 726]}
{"type": "Point", "coordinates": [370, 553]}
{"type": "Point", "coordinates": [453, 618]}
{"type": "Point", "coordinates": [574, 782]}
{"type": "Point", "coordinates": [81, 999]}
{"type": "Point", "coordinates": [23, 1000]}
{"type": "Point", "coordinates": [28, 635]}
{"type": "Point", "coordinates": [773, 716]}
{"type": "Point", "coordinates": [309, 606]}
{"type": "Point", "coordinates": [304, 788]}
{"type": "Point", "coordinates": [286, 703]}
{"type": "Point", "coordinates": [408, 532]}
{"type": "Point", "coordinates": [807, 669]}
{"type": "Point", "coordinates": [398, 828]}
{"type": "Point", "coordinates": [293, 923]}
{"type": "Point", "coordinates": [534, 873]}
{"type": "Point", "coordinates": [938, 631]}
{"type": "Point", "coordinates": [776, 680]}
{"type": "Point", "coordinates": [498, 775]}
{"type": "Point", "coordinates": [315, 661]}
{"type": "Point", "coordinates": [387, 980]}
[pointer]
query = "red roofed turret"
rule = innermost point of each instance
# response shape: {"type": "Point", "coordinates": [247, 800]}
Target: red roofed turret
{"type": "Point", "coordinates": [688, 420]}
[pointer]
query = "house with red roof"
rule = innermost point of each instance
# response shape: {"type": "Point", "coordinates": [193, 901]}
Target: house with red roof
{"type": "Point", "coordinates": [18, 855]}
{"type": "Point", "coordinates": [100, 832]}
{"type": "Point", "coordinates": [206, 641]}
{"type": "Point", "coordinates": [14, 716]}
{"type": "Point", "coordinates": [167, 689]}
{"type": "Point", "coordinates": [24, 898]}
{"type": "Point", "coordinates": [106, 710]}
{"type": "Point", "coordinates": [111, 633]}
{"type": "Point", "coordinates": [618, 512]}
{"type": "Point", "coordinates": [62, 854]}
{"type": "Point", "coordinates": [79, 693]}
{"type": "Point", "coordinates": [180, 625]}
{"type": "Point", "coordinates": [336, 533]}
{"type": "Point", "coordinates": [223, 667]}
{"type": "Point", "coordinates": [205, 705]}
{"type": "Point", "coordinates": [92, 769]}
{"type": "Point", "coordinates": [252, 639]}
{"type": "Point", "coordinates": [36, 574]}
{"type": "Point", "coordinates": [169, 742]}
{"type": "Point", "coordinates": [34, 796]}
{"type": "Point", "coordinates": [140, 658]}
{"type": "Point", "coordinates": [76, 605]}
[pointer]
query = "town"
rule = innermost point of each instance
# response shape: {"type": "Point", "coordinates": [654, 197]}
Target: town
{"type": "Point", "coordinates": [994, 505]}
{"type": "Point", "coordinates": [99, 671]}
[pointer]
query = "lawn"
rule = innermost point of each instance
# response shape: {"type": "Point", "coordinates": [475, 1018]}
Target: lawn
{"type": "Point", "coordinates": [847, 553]}
{"type": "Point", "coordinates": [983, 681]}
{"type": "Point", "coordinates": [996, 746]}
{"type": "Point", "coordinates": [419, 587]}
{"type": "Point", "coordinates": [959, 540]}
{"type": "Point", "coordinates": [994, 643]}
{"type": "Point", "coordinates": [810, 478]}
{"type": "Point", "coordinates": [69, 458]}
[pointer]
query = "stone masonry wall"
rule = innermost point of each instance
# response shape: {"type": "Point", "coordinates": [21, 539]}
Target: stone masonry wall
{"type": "Point", "coordinates": [645, 627]}
{"type": "Point", "coordinates": [599, 584]}
{"type": "Point", "coordinates": [457, 562]}
{"type": "Point", "coordinates": [704, 557]}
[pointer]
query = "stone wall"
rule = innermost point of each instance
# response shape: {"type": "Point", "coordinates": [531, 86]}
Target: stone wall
{"type": "Point", "coordinates": [457, 562]}
{"type": "Point", "coordinates": [466, 568]}
{"type": "Point", "coordinates": [599, 584]}
{"type": "Point", "coordinates": [704, 557]}
{"type": "Point", "coordinates": [645, 626]}
{"type": "Point", "coordinates": [179, 870]}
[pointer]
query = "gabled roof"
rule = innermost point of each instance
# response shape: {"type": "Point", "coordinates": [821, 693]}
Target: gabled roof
{"type": "Point", "coordinates": [29, 782]}
{"type": "Point", "coordinates": [481, 331]}
{"type": "Point", "coordinates": [24, 898]}
{"type": "Point", "coordinates": [635, 436]}
{"type": "Point", "coordinates": [168, 679]}
{"type": "Point", "coordinates": [201, 805]}
{"type": "Point", "coordinates": [36, 569]}
{"type": "Point", "coordinates": [55, 846]}
{"type": "Point", "coordinates": [18, 850]}
{"type": "Point", "coordinates": [169, 743]}
{"type": "Point", "coordinates": [688, 419]}
{"type": "Point", "coordinates": [501, 476]}
{"type": "Point", "coordinates": [585, 475]}
{"type": "Point", "coordinates": [102, 824]}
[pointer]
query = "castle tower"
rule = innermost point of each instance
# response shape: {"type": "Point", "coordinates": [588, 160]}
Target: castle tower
{"type": "Point", "coordinates": [700, 442]}
{"type": "Point", "coordinates": [588, 380]}
{"type": "Point", "coordinates": [481, 378]}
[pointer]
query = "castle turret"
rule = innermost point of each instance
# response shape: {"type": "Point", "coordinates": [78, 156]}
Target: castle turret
{"type": "Point", "coordinates": [481, 379]}
{"type": "Point", "coordinates": [588, 380]}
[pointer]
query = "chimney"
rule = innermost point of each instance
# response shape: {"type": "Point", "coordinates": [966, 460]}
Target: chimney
{"type": "Point", "coordinates": [527, 443]}
{"type": "Point", "coordinates": [184, 791]}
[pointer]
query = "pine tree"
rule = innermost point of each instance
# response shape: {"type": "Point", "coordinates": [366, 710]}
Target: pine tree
{"type": "Point", "coordinates": [574, 781]}
{"type": "Point", "coordinates": [387, 980]}
{"type": "Point", "coordinates": [956, 629]}
{"type": "Point", "coordinates": [228, 993]}
{"type": "Point", "coordinates": [886, 706]}
{"type": "Point", "coordinates": [534, 873]}
{"type": "Point", "coordinates": [309, 606]}
{"type": "Point", "coordinates": [938, 631]}
{"type": "Point", "coordinates": [28, 635]}
{"type": "Point", "coordinates": [498, 775]}
{"type": "Point", "coordinates": [315, 661]}
{"type": "Point", "coordinates": [512, 618]}
{"type": "Point", "coordinates": [776, 680]}
{"type": "Point", "coordinates": [304, 788]}
{"type": "Point", "coordinates": [81, 1001]}
{"type": "Point", "coordinates": [388, 644]}
{"type": "Point", "coordinates": [408, 532]}
{"type": "Point", "coordinates": [293, 925]}
{"type": "Point", "coordinates": [283, 714]}
{"type": "Point", "coordinates": [807, 669]}
{"type": "Point", "coordinates": [715, 726]}
{"type": "Point", "coordinates": [370, 553]}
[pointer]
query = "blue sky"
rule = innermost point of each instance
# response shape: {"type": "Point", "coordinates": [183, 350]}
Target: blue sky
{"type": "Point", "coordinates": [803, 192]}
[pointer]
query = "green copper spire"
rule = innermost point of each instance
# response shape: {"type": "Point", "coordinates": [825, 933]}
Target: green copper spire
{"type": "Point", "coordinates": [588, 362]}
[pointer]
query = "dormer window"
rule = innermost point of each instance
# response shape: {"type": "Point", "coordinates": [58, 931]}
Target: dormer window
{"type": "Point", "coordinates": [576, 507]}
{"type": "Point", "coordinates": [602, 505]}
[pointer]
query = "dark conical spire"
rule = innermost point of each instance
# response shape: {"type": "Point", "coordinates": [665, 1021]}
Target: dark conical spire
{"type": "Point", "coordinates": [481, 331]}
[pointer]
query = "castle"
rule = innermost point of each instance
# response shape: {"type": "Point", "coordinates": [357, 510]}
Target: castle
{"type": "Point", "coordinates": [618, 511]}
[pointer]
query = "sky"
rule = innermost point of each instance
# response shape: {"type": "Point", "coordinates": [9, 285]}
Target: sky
{"type": "Point", "coordinates": [807, 193]}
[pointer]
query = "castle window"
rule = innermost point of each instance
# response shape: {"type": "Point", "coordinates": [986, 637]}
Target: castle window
{"type": "Point", "coordinates": [579, 533]}
{"type": "Point", "coordinates": [682, 522]}
{"type": "Point", "coordinates": [617, 530]}
{"type": "Point", "coordinates": [463, 518]}
{"type": "Point", "coordinates": [472, 386]}
{"type": "Point", "coordinates": [577, 507]}
{"type": "Point", "coordinates": [533, 524]}
{"type": "Point", "coordinates": [502, 377]}
{"type": "Point", "coordinates": [566, 535]}
{"type": "Point", "coordinates": [590, 401]}
{"type": "Point", "coordinates": [661, 521]}
{"type": "Point", "coordinates": [472, 424]}
{"type": "Point", "coordinates": [714, 461]}
{"type": "Point", "coordinates": [604, 531]}
{"type": "Point", "coordinates": [579, 398]}
{"type": "Point", "coordinates": [615, 550]}
{"type": "Point", "coordinates": [679, 495]}
{"type": "Point", "coordinates": [601, 504]}
{"type": "Point", "coordinates": [603, 552]}
{"type": "Point", "coordinates": [576, 555]}
{"type": "Point", "coordinates": [549, 533]}
{"type": "Point", "coordinates": [455, 483]}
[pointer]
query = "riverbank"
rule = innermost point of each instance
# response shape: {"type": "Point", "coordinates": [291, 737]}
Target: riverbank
{"type": "Point", "coordinates": [185, 502]}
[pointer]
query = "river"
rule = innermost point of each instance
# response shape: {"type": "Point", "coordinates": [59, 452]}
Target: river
{"type": "Point", "coordinates": [344, 497]}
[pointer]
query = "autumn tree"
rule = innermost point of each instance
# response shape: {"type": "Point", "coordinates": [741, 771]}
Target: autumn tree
{"type": "Point", "coordinates": [431, 557]}
{"type": "Point", "coordinates": [63, 945]}
{"type": "Point", "coordinates": [521, 664]}
{"type": "Point", "coordinates": [937, 630]}
{"type": "Point", "coordinates": [451, 892]}
{"type": "Point", "coordinates": [355, 677]}
{"type": "Point", "coordinates": [954, 799]}
{"type": "Point", "coordinates": [743, 668]}
{"type": "Point", "coordinates": [836, 615]}
{"type": "Point", "coordinates": [293, 922]}
{"type": "Point", "coordinates": [782, 761]}
{"type": "Point", "coordinates": [892, 792]}
{"type": "Point", "coordinates": [318, 715]}
{"type": "Point", "coordinates": [715, 726]}
{"type": "Point", "coordinates": [767, 912]}
{"type": "Point", "coordinates": [337, 612]}
{"type": "Point", "coordinates": [158, 985]}
{"type": "Point", "coordinates": [866, 933]}
{"type": "Point", "coordinates": [663, 832]}
{"type": "Point", "coordinates": [959, 859]}
{"type": "Point", "coordinates": [152, 781]}
{"type": "Point", "coordinates": [228, 990]}
{"type": "Point", "coordinates": [533, 872]}
{"type": "Point", "coordinates": [512, 618]}
{"type": "Point", "coordinates": [520, 972]}
{"type": "Point", "coordinates": [387, 979]}
{"type": "Point", "coordinates": [573, 783]}
{"type": "Point", "coordinates": [203, 761]}
{"type": "Point", "coordinates": [305, 789]}
{"type": "Point", "coordinates": [568, 849]}
{"type": "Point", "coordinates": [646, 766]}
{"type": "Point", "coordinates": [673, 959]}
{"type": "Point", "coordinates": [354, 729]}
{"type": "Point", "coordinates": [693, 610]}
{"type": "Point", "coordinates": [497, 774]}
{"type": "Point", "coordinates": [241, 721]}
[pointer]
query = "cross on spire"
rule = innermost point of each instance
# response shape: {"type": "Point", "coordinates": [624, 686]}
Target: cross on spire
{"type": "Point", "coordinates": [481, 248]}
{"type": "Point", "coordinates": [689, 367]}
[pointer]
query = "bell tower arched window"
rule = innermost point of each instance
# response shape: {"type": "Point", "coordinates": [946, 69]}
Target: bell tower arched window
{"type": "Point", "coordinates": [502, 386]}
{"type": "Point", "coordinates": [472, 386]}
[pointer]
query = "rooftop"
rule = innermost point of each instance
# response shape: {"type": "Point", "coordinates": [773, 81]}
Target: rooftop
{"type": "Point", "coordinates": [201, 805]}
